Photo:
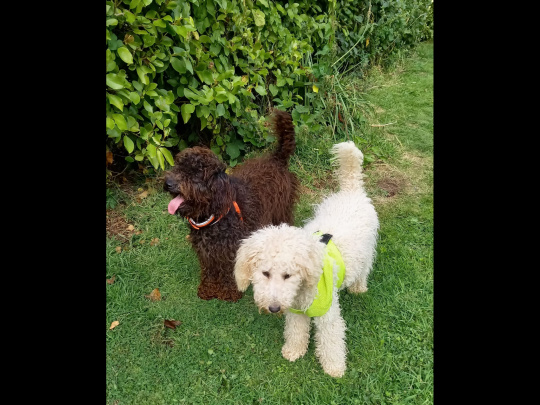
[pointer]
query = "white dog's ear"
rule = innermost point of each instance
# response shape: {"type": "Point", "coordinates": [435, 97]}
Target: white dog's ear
{"type": "Point", "coordinates": [310, 262]}
{"type": "Point", "coordinates": [245, 261]}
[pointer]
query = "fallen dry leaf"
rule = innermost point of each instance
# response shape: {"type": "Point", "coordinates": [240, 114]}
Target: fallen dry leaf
{"type": "Point", "coordinates": [187, 237]}
{"type": "Point", "coordinates": [138, 232]}
{"type": "Point", "coordinates": [130, 228]}
{"type": "Point", "coordinates": [154, 242]}
{"type": "Point", "coordinates": [111, 280]}
{"type": "Point", "coordinates": [118, 249]}
{"type": "Point", "coordinates": [171, 323]}
{"type": "Point", "coordinates": [114, 325]}
{"type": "Point", "coordinates": [142, 241]}
{"type": "Point", "coordinates": [109, 157]}
{"type": "Point", "coordinates": [144, 194]}
{"type": "Point", "coordinates": [155, 295]}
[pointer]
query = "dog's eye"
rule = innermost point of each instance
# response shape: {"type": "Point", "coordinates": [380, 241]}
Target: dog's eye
{"type": "Point", "coordinates": [286, 276]}
{"type": "Point", "coordinates": [266, 274]}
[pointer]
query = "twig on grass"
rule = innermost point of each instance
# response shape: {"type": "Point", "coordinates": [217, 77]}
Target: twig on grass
{"type": "Point", "coordinates": [382, 125]}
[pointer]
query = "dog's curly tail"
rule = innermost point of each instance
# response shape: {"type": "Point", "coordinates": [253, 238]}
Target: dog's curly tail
{"type": "Point", "coordinates": [283, 128]}
{"type": "Point", "coordinates": [348, 159]}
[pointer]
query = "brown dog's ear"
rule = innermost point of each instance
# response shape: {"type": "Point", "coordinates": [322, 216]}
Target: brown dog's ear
{"type": "Point", "coordinates": [246, 258]}
{"type": "Point", "coordinates": [220, 188]}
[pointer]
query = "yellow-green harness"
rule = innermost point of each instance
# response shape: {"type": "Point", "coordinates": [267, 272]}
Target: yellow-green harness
{"type": "Point", "coordinates": [323, 300]}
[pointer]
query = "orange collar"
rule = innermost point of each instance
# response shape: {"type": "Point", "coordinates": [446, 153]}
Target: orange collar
{"type": "Point", "coordinates": [211, 219]}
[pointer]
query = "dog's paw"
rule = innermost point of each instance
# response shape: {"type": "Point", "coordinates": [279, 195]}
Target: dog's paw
{"type": "Point", "coordinates": [334, 372]}
{"type": "Point", "coordinates": [357, 289]}
{"type": "Point", "coordinates": [290, 354]}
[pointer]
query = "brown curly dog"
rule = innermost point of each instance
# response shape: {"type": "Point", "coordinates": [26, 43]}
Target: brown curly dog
{"type": "Point", "coordinates": [222, 210]}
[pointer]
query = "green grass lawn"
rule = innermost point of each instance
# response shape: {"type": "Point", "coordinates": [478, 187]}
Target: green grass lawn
{"type": "Point", "coordinates": [228, 353]}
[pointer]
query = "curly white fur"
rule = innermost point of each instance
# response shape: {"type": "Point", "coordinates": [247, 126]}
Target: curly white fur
{"type": "Point", "coordinates": [284, 263]}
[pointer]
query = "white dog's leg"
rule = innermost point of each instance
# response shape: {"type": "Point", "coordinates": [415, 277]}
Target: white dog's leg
{"type": "Point", "coordinates": [296, 335]}
{"type": "Point", "coordinates": [330, 345]}
{"type": "Point", "coordinates": [359, 285]}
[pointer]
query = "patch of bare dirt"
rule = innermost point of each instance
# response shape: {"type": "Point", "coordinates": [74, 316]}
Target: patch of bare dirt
{"type": "Point", "coordinates": [392, 186]}
{"type": "Point", "coordinates": [386, 182]}
{"type": "Point", "coordinates": [118, 227]}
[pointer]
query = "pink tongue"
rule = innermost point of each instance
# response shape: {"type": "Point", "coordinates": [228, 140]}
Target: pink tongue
{"type": "Point", "coordinates": [174, 204]}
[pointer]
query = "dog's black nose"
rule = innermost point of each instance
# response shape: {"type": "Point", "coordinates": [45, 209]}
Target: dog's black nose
{"type": "Point", "coordinates": [168, 185]}
{"type": "Point", "coordinates": [274, 308]}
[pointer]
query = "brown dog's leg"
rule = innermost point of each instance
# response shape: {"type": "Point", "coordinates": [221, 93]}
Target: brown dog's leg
{"type": "Point", "coordinates": [217, 281]}
{"type": "Point", "coordinates": [229, 290]}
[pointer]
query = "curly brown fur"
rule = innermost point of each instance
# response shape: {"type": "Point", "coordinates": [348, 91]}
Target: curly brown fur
{"type": "Point", "coordinates": [264, 189]}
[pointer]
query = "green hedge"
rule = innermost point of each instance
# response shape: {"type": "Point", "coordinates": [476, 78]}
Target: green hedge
{"type": "Point", "coordinates": [181, 72]}
{"type": "Point", "coordinates": [377, 31]}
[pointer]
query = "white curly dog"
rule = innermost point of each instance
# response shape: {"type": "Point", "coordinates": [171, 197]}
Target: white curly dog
{"type": "Point", "coordinates": [285, 265]}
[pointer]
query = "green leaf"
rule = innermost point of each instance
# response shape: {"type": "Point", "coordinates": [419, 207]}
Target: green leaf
{"type": "Point", "coordinates": [128, 144]}
{"type": "Point", "coordinates": [166, 42]}
{"type": "Point", "coordinates": [114, 81]}
{"type": "Point", "coordinates": [148, 107]}
{"type": "Point", "coordinates": [114, 133]}
{"type": "Point", "coordinates": [148, 40]}
{"type": "Point", "coordinates": [258, 16]}
{"type": "Point", "coordinates": [220, 110]}
{"type": "Point", "coordinates": [130, 17]}
{"type": "Point", "coordinates": [134, 96]}
{"type": "Point", "coordinates": [115, 44]}
{"type": "Point", "coordinates": [203, 111]}
{"type": "Point", "coordinates": [302, 109]}
{"type": "Point", "coordinates": [160, 23]}
{"type": "Point", "coordinates": [263, 2]}
{"type": "Point", "coordinates": [137, 85]}
{"type": "Point", "coordinates": [179, 65]}
{"type": "Point", "coordinates": [160, 159]}
{"type": "Point", "coordinates": [188, 65]}
{"type": "Point", "coordinates": [109, 123]}
{"type": "Point", "coordinates": [261, 90]}
{"type": "Point", "coordinates": [111, 65]}
{"type": "Point", "coordinates": [225, 75]}
{"type": "Point", "coordinates": [120, 121]}
{"type": "Point", "coordinates": [273, 89]}
{"type": "Point", "coordinates": [125, 55]}
{"type": "Point", "coordinates": [111, 21]}
{"type": "Point", "coordinates": [186, 111]}
{"type": "Point", "coordinates": [162, 104]}
{"type": "Point", "coordinates": [232, 150]}
{"type": "Point", "coordinates": [205, 76]}
{"type": "Point", "coordinates": [167, 155]}
{"type": "Point", "coordinates": [116, 101]}
{"type": "Point", "coordinates": [221, 97]}
{"type": "Point", "coordinates": [142, 75]}
{"type": "Point", "coordinates": [151, 150]}
{"type": "Point", "coordinates": [180, 30]}
{"type": "Point", "coordinates": [132, 124]}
